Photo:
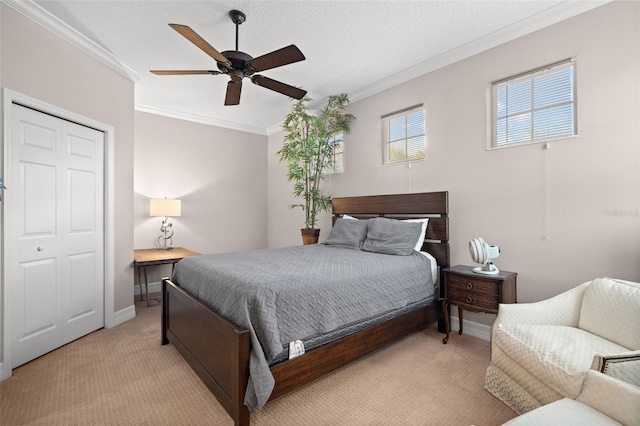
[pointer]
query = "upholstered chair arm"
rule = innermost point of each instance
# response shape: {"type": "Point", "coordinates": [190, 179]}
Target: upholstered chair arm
{"type": "Point", "coordinates": [625, 366]}
{"type": "Point", "coordinates": [563, 309]}
{"type": "Point", "coordinates": [615, 398]}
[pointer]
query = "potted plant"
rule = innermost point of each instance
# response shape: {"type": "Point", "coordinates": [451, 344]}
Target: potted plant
{"type": "Point", "coordinates": [308, 151]}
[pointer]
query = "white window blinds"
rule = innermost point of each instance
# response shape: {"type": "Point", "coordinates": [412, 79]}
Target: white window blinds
{"type": "Point", "coordinates": [537, 106]}
{"type": "Point", "coordinates": [404, 135]}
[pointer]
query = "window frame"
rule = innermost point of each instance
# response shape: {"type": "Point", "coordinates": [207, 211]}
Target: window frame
{"type": "Point", "coordinates": [385, 142]}
{"type": "Point", "coordinates": [332, 169]}
{"type": "Point", "coordinates": [531, 75]}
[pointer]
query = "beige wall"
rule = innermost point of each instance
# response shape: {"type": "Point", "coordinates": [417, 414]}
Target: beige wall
{"type": "Point", "coordinates": [582, 193]}
{"type": "Point", "coordinates": [219, 174]}
{"type": "Point", "coordinates": [38, 64]}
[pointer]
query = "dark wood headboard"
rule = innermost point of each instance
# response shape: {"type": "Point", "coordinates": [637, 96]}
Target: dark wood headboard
{"type": "Point", "coordinates": [434, 205]}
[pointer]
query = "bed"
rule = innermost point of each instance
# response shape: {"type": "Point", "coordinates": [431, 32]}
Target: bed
{"type": "Point", "coordinates": [219, 350]}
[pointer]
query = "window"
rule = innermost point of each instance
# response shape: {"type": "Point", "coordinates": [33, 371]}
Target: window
{"type": "Point", "coordinates": [337, 165]}
{"type": "Point", "coordinates": [403, 135]}
{"type": "Point", "coordinates": [536, 106]}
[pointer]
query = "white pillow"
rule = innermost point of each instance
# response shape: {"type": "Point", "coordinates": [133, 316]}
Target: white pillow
{"type": "Point", "coordinates": [423, 232]}
{"type": "Point", "coordinates": [346, 216]}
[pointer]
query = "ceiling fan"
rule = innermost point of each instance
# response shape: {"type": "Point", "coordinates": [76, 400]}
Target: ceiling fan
{"type": "Point", "coordinates": [239, 64]}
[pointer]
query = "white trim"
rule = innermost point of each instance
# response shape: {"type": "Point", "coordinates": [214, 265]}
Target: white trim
{"type": "Point", "coordinates": [553, 15]}
{"type": "Point", "coordinates": [124, 315]}
{"type": "Point", "coordinates": [274, 129]}
{"type": "Point", "coordinates": [471, 328]}
{"type": "Point", "coordinates": [155, 287]}
{"type": "Point", "coordinates": [199, 119]}
{"type": "Point", "coordinates": [9, 97]}
{"type": "Point", "coordinates": [42, 17]}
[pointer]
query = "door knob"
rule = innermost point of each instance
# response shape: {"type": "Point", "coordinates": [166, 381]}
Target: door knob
{"type": "Point", "coordinates": [40, 248]}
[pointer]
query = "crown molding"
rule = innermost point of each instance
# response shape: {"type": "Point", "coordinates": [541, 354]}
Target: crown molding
{"type": "Point", "coordinates": [553, 15]}
{"type": "Point", "coordinates": [199, 119]}
{"type": "Point", "coordinates": [274, 129]}
{"type": "Point", "coordinates": [42, 17]}
{"type": "Point", "coordinates": [541, 20]}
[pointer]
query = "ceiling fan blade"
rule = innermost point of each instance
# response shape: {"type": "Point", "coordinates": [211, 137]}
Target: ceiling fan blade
{"type": "Point", "coordinates": [277, 58]}
{"type": "Point", "coordinates": [279, 87]}
{"type": "Point", "coordinates": [194, 38]}
{"type": "Point", "coordinates": [233, 93]}
{"type": "Point", "coordinates": [184, 72]}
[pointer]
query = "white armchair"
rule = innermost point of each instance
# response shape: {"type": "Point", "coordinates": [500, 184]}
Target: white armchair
{"type": "Point", "coordinates": [604, 400]}
{"type": "Point", "coordinates": [541, 352]}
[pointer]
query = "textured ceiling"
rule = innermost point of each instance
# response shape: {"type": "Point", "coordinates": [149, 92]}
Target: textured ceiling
{"type": "Point", "coordinates": [353, 47]}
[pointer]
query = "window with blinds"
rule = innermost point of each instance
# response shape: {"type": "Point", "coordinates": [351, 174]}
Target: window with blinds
{"type": "Point", "coordinates": [337, 163]}
{"type": "Point", "coordinates": [404, 135]}
{"type": "Point", "coordinates": [536, 106]}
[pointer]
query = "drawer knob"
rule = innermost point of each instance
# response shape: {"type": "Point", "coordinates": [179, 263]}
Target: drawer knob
{"type": "Point", "coordinates": [469, 285]}
{"type": "Point", "coordinates": [469, 299]}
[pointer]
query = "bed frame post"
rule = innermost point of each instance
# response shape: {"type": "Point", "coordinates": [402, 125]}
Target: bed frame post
{"type": "Point", "coordinates": [165, 316]}
{"type": "Point", "coordinates": [242, 416]}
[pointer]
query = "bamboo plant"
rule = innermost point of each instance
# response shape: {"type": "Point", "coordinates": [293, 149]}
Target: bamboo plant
{"type": "Point", "coordinates": [308, 151]}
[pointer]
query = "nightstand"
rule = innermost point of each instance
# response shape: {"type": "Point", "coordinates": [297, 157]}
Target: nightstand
{"type": "Point", "coordinates": [151, 257]}
{"type": "Point", "coordinates": [475, 292]}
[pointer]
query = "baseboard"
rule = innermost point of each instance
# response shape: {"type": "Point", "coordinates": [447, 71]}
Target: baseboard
{"type": "Point", "coordinates": [475, 329]}
{"type": "Point", "coordinates": [153, 288]}
{"type": "Point", "coordinates": [124, 315]}
{"type": "Point", "coordinates": [119, 317]}
{"type": "Point", "coordinates": [4, 374]}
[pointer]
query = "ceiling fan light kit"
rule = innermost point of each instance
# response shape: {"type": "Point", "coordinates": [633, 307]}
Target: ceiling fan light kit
{"type": "Point", "coordinates": [484, 253]}
{"type": "Point", "coordinates": [238, 65]}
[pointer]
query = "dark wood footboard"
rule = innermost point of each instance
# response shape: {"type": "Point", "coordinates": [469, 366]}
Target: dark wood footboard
{"type": "Point", "coordinates": [216, 349]}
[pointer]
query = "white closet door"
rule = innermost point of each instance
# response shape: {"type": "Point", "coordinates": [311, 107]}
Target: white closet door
{"type": "Point", "coordinates": [56, 244]}
{"type": "Point", "coordinates": [82, 231]}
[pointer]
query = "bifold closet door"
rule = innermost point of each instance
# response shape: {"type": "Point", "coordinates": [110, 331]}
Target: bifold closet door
{"type": "Point", "coordinates": [57, 235]}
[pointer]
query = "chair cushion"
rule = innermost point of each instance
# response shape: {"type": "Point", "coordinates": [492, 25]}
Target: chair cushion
{"type": "Point", "coordinates": [558, 356]}
{"type": "Point", "coordinates": [564, 412]}
{"type": "Point", "coordinates": [611, 309]}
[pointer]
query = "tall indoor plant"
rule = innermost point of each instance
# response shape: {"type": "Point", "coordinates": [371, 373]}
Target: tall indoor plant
{"type": "Point", "coordinates": [308, 151]}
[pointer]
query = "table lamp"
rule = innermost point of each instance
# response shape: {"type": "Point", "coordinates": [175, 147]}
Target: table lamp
{"type": "Point", "coordinates": [163, 207]}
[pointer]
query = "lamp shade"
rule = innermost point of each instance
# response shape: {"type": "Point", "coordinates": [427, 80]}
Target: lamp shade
{"type": "Point", "coordinates": [165, 207]}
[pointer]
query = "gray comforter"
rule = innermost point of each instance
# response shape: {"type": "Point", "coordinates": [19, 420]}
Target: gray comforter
{"type": "Point", "coordinates": [281, 295]}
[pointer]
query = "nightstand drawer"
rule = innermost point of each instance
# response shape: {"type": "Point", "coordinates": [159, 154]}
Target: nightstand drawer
{"type": "Point", "coordinates": [473, 284]}
{"type": "Point", "coordinates": [479, 299]}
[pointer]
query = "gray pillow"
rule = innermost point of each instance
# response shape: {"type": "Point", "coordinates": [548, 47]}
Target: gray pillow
{"type": "Point", "coordinates": [348, 232]}
{"type": "Point", "coordinates": [390, 236]}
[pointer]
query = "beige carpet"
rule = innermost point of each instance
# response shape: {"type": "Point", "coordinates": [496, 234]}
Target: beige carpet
{"type": "Point", "coordinates": [123, 376]}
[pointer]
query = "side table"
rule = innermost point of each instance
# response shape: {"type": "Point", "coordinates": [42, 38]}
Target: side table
{"type": "Point", "coordinates": [152, 257]}
{"type": "Point", "coordinates": [475, 292]}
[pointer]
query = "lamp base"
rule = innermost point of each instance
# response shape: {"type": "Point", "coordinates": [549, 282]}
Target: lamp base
{"type": "Point", "coordinates": [167, 235]}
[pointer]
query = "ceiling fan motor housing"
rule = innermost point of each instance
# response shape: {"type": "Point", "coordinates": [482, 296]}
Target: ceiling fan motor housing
{"type": "Point", "coordinates": [238, 62]}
